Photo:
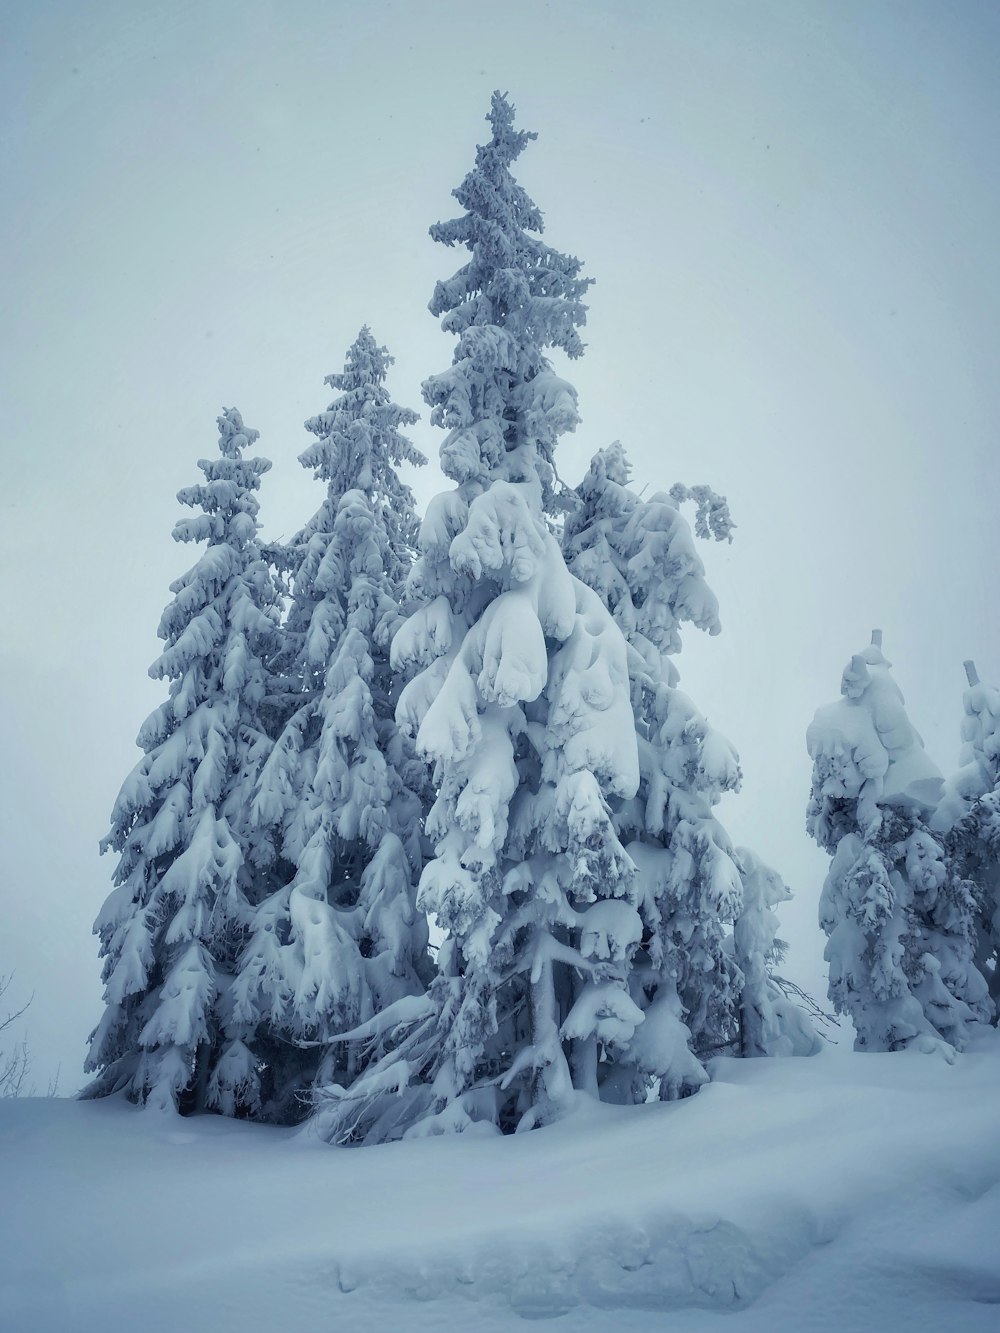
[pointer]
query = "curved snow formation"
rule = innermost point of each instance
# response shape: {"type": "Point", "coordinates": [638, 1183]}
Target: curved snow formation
{"type": "Point", "coordinates": [847, 1192]}
{"type": "Point", "coordinates": [864, 745]}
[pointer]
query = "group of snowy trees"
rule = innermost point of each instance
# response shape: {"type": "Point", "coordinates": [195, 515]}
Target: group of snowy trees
{"type": "Point", "coordinates": [270, 837]}
{"type": "Point", "coordinates": [911, 904]}
{"type": "Point", "coordinates": [471, 724]}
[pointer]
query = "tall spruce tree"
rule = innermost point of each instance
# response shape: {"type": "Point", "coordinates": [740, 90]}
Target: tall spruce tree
{"type": "Point", "coordinates": [187, 874]}
{"type": "Point", "coordinates": [900, 920]}
{"type": "Point", "coordinates": [341, 793]}
{"type": "Point", "coordinates": [968, 818]}
{"type": "Point", "coordinates": [519, 700]}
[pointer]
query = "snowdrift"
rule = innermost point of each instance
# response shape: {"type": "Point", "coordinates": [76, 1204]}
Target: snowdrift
{"type": "Point", "coordinates": [845, 1192]}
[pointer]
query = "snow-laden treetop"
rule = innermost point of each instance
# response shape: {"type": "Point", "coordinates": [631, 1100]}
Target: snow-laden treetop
{"type": "Point", "coordinates": [981, 727]}
{"type": "Point", "coordinates": [979, 772]}
{"type": "Point", "coordinates": [500, 400]}
{"type": "Point", "coordinates": [359, 443]}
{"type": "Point", "coordinates": [639, 556]}
{"type": "Point", "coordinates": [864, 746]}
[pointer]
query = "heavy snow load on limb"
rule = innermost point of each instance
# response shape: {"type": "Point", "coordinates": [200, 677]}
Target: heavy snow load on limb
{"type": "Point", "coordinates": [339, 937]}
{"type": "Point", "coordinates": [968, 819]}
{"type": "Point", "coordinates": [519, 700]}
{"type": "Point", "coordinates": [188, 875]}
{"type": "Point", "coordinates": [898, 915]}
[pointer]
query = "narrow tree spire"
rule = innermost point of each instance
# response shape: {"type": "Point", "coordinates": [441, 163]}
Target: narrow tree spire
{"type": "Point", "coordinates": [514, 298]}
{"type": "Point", "coordinates": [341, 794]}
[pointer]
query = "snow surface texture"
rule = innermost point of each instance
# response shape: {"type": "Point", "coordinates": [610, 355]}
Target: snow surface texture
{"type": "Point", "coordinates": [850, 1192]}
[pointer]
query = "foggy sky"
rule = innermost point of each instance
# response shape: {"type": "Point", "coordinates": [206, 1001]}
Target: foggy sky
{"type": "Point", "coordinates": [790, 212]}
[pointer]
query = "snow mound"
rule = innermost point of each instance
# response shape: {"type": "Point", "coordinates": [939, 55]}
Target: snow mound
{"type": "Point", "coordinates": [848, 1192]}
{"type": "Point", "coordinates": [669, 1263]}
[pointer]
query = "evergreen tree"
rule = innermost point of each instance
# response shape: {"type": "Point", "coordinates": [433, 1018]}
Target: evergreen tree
{"type": "Point", "coordinates": [519, 699]}
{"type": "Point", "coordinates": [968, 817]}
{"type": "Point", "coordinates": [899, 919]}
{"type": "Point", "coordinates": [639, 556]}
{"type": "Point", "coordinates": [187, 875]}
{"type": "Point", "coordinates": [341, 794]}
{"type": "Point", "coordinates": [769, 1022]}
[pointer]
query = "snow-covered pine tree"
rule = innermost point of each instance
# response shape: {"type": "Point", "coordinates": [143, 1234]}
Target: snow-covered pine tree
{"type": "Point", "coordinates": [703, 967]}
{"type": "Point", "coordinates": [340, 939]}
{"type": "Point", "coordinates": [770, 1023]}
{"type": "Point", "coordinates": [188, 870]}
{"type": "Point", "coordinates": [639, 556]}
{"type": "Point", "coordinates": [519, 699]}
{"type": "Point", "coordinates": [968, 817]}
{"type": "Point", "coordinates": [900, 920]}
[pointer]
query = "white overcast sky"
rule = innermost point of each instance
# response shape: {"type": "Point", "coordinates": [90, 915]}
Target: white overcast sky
{"type": "Point", "coordinates": [791, 214]}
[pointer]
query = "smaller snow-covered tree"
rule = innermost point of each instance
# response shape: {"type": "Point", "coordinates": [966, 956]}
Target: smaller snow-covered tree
{"type": "Point", "coordinates": [968, 817]}
{"type": "Point", "coordinates": [341, 794]}
{"type": "Point", "coordinates": [639, 556]}
{"type": "Point", "coordinates": [900, 921]}
{"type": "Point", "coordinates": [769, 1022]}
{"type": "Point", "coordinates": [186, 879]}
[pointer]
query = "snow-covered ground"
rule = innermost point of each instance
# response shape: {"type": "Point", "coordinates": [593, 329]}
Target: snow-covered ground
{"type": "Point", "coordinates": [845, 1192]}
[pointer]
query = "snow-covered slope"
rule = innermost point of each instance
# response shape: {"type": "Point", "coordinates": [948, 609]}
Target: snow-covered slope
{"type": "Point", "coordinates": [845, 1192]}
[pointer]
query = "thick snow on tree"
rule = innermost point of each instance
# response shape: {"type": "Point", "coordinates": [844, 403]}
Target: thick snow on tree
{"type": "Point", "coordinates": [341, 792]}
{"type": "Point", "coordinates": [769, 1022]}
{"type": "Point", "coordinates": [639, 556]}
{"type": "Point", "coordinates": [519, 699]}
{"type": "Point", "coordinates": [187, 875]}
{"type": "Point", "coordinates": [968, 817]}
{"type": "Point", "coordinates": [359, 446]}
{"type": "Point", "coordinates": [501, 403]}
{"type": "Point", "coordinates": [900, 920]}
